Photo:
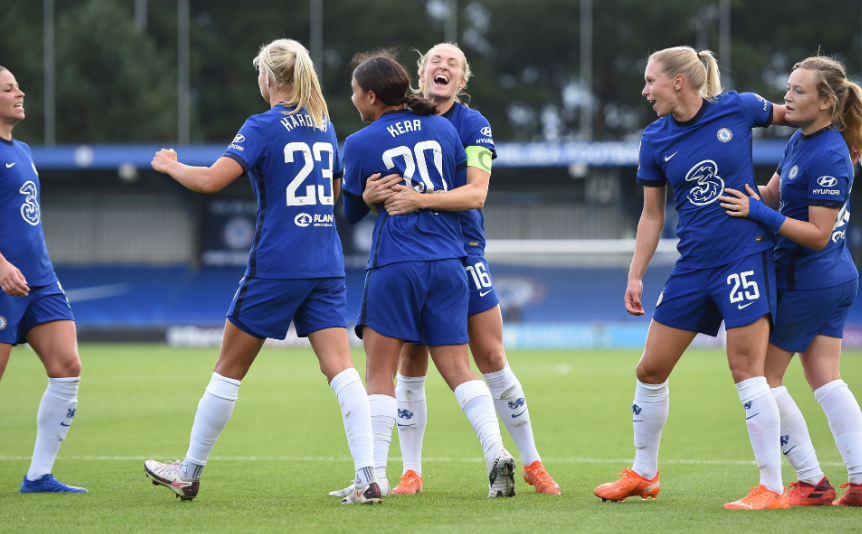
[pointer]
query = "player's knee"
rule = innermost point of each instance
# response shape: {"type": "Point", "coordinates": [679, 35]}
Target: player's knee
{"type": "Point", "coordinates": [490, 361]}
{"type": "Point", "coordinates": [650, 374]}
{"type": "Point", "coordinates": [67, 367]}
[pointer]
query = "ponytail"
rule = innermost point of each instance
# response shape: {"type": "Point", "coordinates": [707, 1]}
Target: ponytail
{"type": "Point", "coordinates": [379, 72]}
{"type": "Point", "coordinates": [420, 106]}
{"type": "Point", "coordinates": [706, 79]}
{"type": "Point", "coordinates": [286, 62]}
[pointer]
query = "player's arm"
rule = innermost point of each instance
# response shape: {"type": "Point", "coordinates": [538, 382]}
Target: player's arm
{"type": "Point", "coordinates": [378, 188]}
{"type": "Point", "coordinates": [200, 179]}
{"type": "Point", "coordinates": [336, 189]}
{"type": "Point", "coordinates": [469, 197]}
{"type": "Point", "coordinates": [650, 227]}
{"type": "Point", "coordinates": [12, 281]}
{"type": "Point", "coordinates": [770, 193]}
{"type": "Point", "coordinates": [778, 113]}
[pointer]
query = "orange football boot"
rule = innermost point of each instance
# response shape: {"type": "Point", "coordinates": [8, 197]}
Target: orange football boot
{"type": "Point", "coordinates": [410, 484]}
{"type": "Point", "coordinates": [535, 474]}
{"type": "Point", "coordinates": [805, 494]}
{"type": "Point", "coordinates": [851, 497]}
{"type": "Point", "coordinates": [630, 485]}
{"type": "Point", "coordinates": [760, 498]}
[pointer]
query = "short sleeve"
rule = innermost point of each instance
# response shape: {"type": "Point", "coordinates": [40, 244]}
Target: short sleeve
{"type": "Point", "coordinates": [249, 145]}
{"type": "Point", "coordinates": [460, 166]}
{"type": "Point", "coordinates": [649, 174]}
{"type": "Point", "coordinates": [829, 180]}
{"type": "Point", "coordinates": [480, 135]}
{"type": "Point", "coordinates": [756, 109]}
{"type": "Point", "coordinates": [352, 182]}
{"type": "Point", "coordinates": [337, 164]}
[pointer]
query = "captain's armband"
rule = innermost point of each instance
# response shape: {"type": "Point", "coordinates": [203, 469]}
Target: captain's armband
{"type": "Point", "coordinates": [479, 157]}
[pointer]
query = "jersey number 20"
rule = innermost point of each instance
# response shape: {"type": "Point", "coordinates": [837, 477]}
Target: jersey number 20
{"type": "Point", "coordinates": [310, 197]}
{"type": "Point", "coordinates": [410, 164]}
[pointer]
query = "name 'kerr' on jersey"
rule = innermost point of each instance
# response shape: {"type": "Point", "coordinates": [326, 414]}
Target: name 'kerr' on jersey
{"type": "Point", "coordinates": [815, 171]}
{"type": "Point", "coordinates": [426, 151]}
{"type": "Point", "coordinates": [474, 130]}
{"type": "Point", "coordinates": [699, 158]}
{"type": "Point", "coordinates": [22, 241]}
{"type": "Point", "coordinates": [291, 166]}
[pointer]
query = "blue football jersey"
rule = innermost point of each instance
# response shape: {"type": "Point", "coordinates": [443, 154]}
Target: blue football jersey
{"type": "Point", "coordinates": [291, 166]}
{"type": "Point", "coordinates": [815, 171]}
{"type": "Point", "coordinates": [474, 130]}
{"type": "Point", "coordinates": [699, 158]}
{"type": "Point", "coordinates": [22, 241]}
{"type": "Point", "coordinates": [427, 152]}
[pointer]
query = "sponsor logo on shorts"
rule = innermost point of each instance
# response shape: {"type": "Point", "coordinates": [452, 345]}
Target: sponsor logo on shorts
{"type": "Point", "coordinates": [302, 220]}
{"type": "Point", "coordinates": [724, 135]}
{"type": "Point", "coordinates": [745, 306]}
{"type": "Point", "coordinates": [3, 322]}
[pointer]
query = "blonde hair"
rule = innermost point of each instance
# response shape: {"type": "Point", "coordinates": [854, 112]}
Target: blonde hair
{"type": "Point", "coordinates": [686, 61]}
{"type": "Point", "coordinates": [831, 80]}
{"type": "Point", "coordinates": [286, 62]}
{"type": "Point", "coordinates": [466, 73]}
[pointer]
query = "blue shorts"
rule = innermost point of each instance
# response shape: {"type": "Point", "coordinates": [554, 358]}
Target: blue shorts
{"type": "Point", "coordinates": [805, 314]}
{"type": "Point", "coordinates": [483, 296]}
{"type": "Point", "coordinates": [264, 308]}
{"type": "Point", "coordinates": [18, 315]}
{"type": "Point", "coordinates": [418, 301]}
{"type": "Point", "coordinates": [739, 293]}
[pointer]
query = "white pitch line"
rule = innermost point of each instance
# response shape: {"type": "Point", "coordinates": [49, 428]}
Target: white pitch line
{"type": "Point", "coordinates": [623, 461]}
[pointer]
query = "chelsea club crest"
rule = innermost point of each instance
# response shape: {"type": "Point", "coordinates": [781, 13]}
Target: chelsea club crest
{"type": "Point", "coordinates": [793, 172]}
{"type": "Point", "coordinates": [3, 322]}
{"type": "Point", "coordinates": [724, 135]}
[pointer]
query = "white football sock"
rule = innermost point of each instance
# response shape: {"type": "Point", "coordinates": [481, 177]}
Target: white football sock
{"type": "Point", "coordinates": [475, 400]}
{"type": "Point", "coordinates": [56, 412]}
{"type": "Point", "coordinates": [412, 419]}
{"type": "Point", "coordinates": [764, 429]}
{"type": "Point", "coordinates": [649, 415]}
{"type": "Point", "coordinates": [845, 421]}
{"type": "Point", "coordinates": [511, 406]}
{"type": "Point", "coordinates": [212, 416]}
{"type": "Point", "coordinates": [356, 414]}
{"type": "Point", "coordinates": [383, 411]}
{"type": "Point", "coordinates": [795, 441]}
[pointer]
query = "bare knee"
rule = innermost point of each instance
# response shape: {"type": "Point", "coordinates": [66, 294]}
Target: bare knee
{"type": "Point", "coordinates": [490, 360]}
{"type": "Point", "coordinates": [650, 374]}
{"type": "Point", "coordinates": [66, 367]}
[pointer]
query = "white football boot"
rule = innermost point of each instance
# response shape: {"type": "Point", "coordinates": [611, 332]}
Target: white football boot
{"type": "Point", "coordinates": [369, 494]}
{"type": "Point", "coordinates": [501, 475]}
{"type": "Point", "coordinates": [168, 475]}
{"type": "Point", "coordinates": [382, 483]}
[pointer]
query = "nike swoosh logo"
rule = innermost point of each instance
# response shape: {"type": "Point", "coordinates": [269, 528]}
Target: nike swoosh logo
{"type": "Point", "coordinates": [175, 483]}
{"type": "Point", "coordinates": [414, 424]}
{"type": "Point", "coordinates": [755, 415]}
{"type": "Point", "coordinates": [61, 424]}
{"type": "Point", "coordinates": [788, 450]}
{"type": "Point", "coordinates": [9, 165]}
{"type": "Point", "coordinates": [514, 415]}
{"type": "Point", "coordinates": [485, 293]}
{"type": "Point", "coordinates": [747, 305]}
{"type": "Point", "coordinates": [667, 158]}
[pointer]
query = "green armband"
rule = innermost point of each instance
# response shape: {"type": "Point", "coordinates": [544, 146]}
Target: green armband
{"type": "Point", "coordinates": [479, 157]}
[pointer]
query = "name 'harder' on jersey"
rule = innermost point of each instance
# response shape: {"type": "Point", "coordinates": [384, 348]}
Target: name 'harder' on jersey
{"type": "Point", "coordinates": [291, 166]}
{"type": "Point", "coordinates": [427, 153]}
{"type": "Point", "coordinates": [699, 158]}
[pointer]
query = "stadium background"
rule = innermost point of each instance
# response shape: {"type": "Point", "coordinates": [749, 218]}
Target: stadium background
{"type": "Point", "coordinates": [108, 82]}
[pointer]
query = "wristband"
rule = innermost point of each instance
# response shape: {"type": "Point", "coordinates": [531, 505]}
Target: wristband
{"type": "Point", "coordinates": [760, 212]}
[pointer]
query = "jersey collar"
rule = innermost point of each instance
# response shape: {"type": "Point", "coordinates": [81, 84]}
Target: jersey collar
{"type": "Point", "coordinates": [692, 121]}
{"type": "Point", "coordinates": [821, 131]}
{"type": "Point", "coordinates": [451, 110]}
{"type": "Point", "coordinates": [395, 111]}
{"type": "Point", "coordinates": [5, 142]}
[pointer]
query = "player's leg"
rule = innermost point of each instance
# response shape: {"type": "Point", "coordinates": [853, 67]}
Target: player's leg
{"type": "Point", "coordinates": [56, 344]}
{"type": "Point", "coordinates": [5, 350]}
{"type": "Point", "coordinates": [412, 415]}
{"type": "Point", "coordinates": [664, 347]}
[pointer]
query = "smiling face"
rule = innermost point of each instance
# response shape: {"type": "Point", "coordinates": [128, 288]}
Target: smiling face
{"type": "Point", "coordinates": [805, 105]}
{"type": "Point", "coordinates": [443, 74]}
{"type": "Point", "coordinates": [660, 89]}
{"type": "Point", "coordinates": [11, 99]}
{"type": "Point", "coordinates": [364, 101]}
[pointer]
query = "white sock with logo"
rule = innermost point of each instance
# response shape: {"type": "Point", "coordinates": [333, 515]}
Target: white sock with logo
{"type": "Point", "coordinates": [56, 412]}
{"type": "Point", "coordinates": [649, 415]}
{"type": "Point", "coordinates": [383, 412]}
{"type": "Point", "coordinates": [845, 421]}
{"type": "Point", "coordinates": [511, 406]}
{"type": "Point", "coordinates": [412, 419]}
{"type": "Point", "coordinates": [213, 413]}
{"type": "Point", "coordinates": [764, 429]}
{"type": "Point", "coordinates": [356, 415]}
{"type": "Point", "coordinates": [475, 400]}
{"type": "Point", "coordinates": [795, 440]}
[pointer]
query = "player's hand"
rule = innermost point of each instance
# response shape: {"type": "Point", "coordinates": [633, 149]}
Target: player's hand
{"type": "Point", "coordinates": [164, 157]}
{"type": "Point", "coordinates": [634, 291]}
{"type": "Point", "coordinates": [378, 189]}
{"type": "Point", "coordinates": [737, 205]}
{"type": "Point", "coordinates": [12, 281]}
{"type": "Point", "coordinates": [405, 200]}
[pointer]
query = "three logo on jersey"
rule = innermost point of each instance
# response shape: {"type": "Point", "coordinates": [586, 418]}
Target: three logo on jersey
{"type": "Point", "coordinates": [709, 184]}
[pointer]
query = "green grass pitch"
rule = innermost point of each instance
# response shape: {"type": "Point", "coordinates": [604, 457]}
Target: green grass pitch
{"type": "Point", "coordinates": [284, 449]}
